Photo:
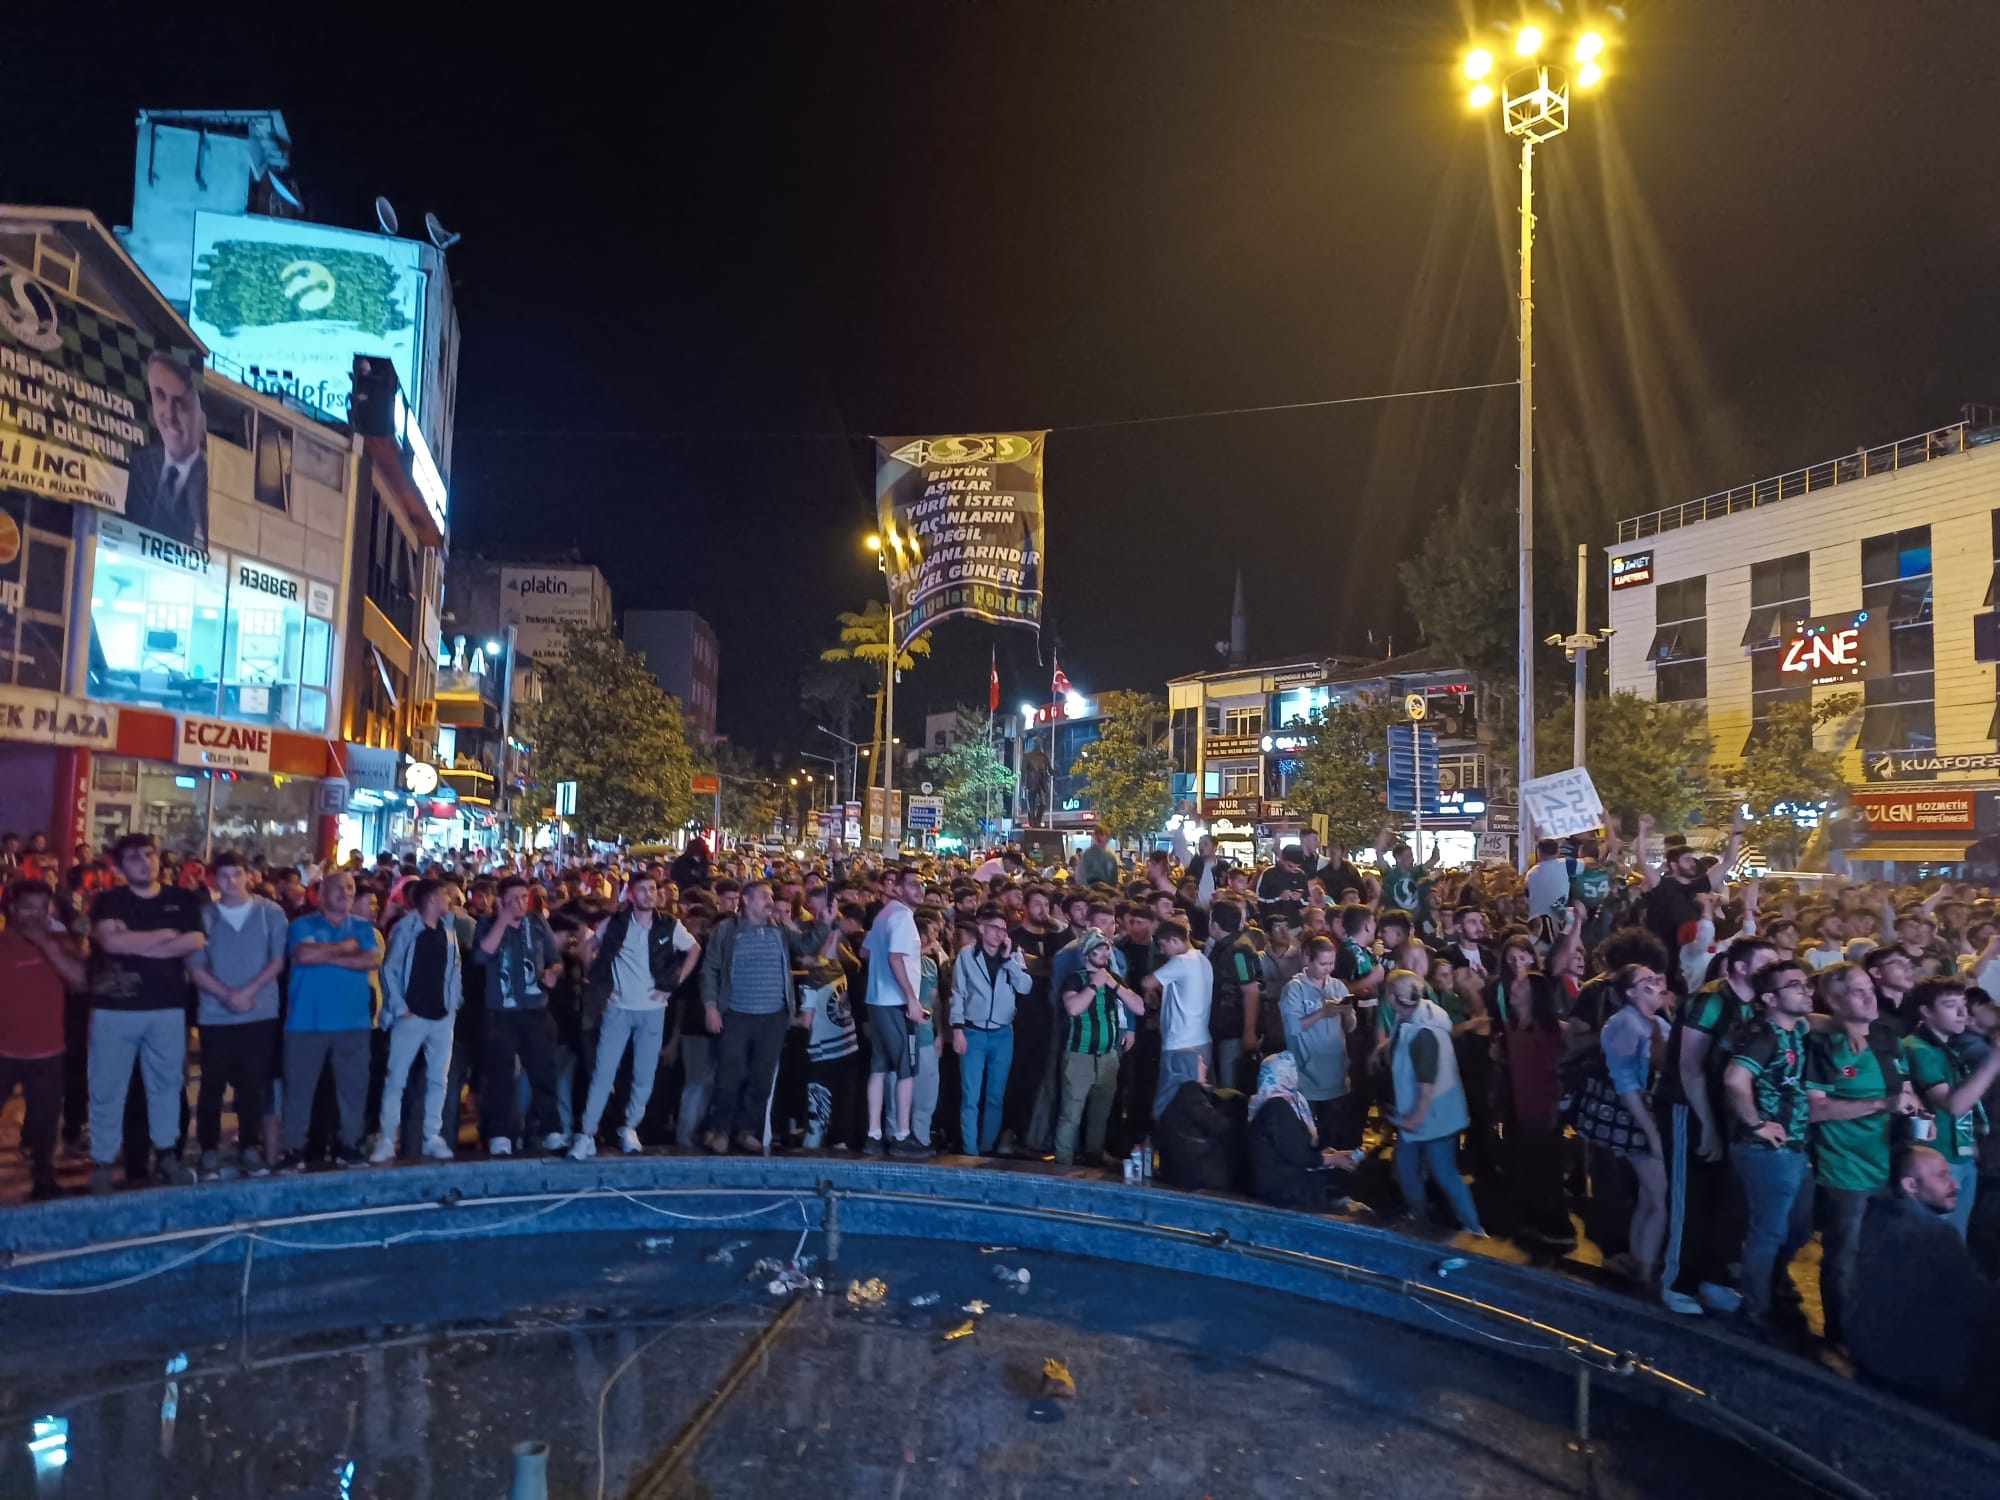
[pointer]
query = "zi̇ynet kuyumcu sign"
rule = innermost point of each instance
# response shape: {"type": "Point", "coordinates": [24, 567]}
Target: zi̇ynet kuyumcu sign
{"type": "Point", "coordinates": [961, 525]}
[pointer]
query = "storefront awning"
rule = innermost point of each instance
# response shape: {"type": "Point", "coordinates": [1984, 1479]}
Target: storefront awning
{"type": "Point", "coordinates": [1915, 852]}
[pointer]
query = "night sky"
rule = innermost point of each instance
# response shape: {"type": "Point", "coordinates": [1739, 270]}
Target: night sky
{"type": "Point", "coordinates": [688, 269]}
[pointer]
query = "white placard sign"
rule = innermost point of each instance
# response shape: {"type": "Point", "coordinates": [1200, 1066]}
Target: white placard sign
{"type": "Point", "coordinates": [1554, 807]}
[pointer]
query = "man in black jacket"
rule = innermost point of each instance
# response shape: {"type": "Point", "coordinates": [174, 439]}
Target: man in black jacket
{"type": "Point", "coordinates": [633, 975]}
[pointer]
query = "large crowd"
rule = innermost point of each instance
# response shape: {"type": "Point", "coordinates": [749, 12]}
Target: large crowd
{"type": "Point", "coordinates": [1709, 1074]}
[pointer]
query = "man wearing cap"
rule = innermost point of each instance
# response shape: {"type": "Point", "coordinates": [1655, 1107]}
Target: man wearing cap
{"type": "Point", "coordinates": [1672, 889]}
{"type": "Point", "coordinates": [1090, 998]}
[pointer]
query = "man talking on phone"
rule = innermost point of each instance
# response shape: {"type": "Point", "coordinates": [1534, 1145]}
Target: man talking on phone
{"type": "Point", "coordinates": [987, 983]}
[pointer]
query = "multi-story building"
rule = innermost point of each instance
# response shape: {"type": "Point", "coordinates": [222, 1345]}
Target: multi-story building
{"type": "Point", "coordinates": [1236, 734]}
{"type": "Point", "coordinates": [681, 650]}
{"type": "Point", "coordinates": [1872, 574]}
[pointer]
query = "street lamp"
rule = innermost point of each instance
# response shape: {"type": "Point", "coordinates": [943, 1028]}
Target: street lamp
{"type": "Point", "coordinates": [1534, 100]}
{"type": "Point", "coordinates": [874, 542]}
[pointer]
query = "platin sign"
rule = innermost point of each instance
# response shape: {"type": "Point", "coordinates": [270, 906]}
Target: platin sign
{"type": "Point", "coordinates": [1632, 570]}
{"type": "Point", "coordinates": [1835, 648]}
{"type": "Point", "coordinates": [543, 603]}
{"type": "Point", "coordinates": [961, 526]}
{"type": "Point", "coordinates": [77, 418]}
{"type": "Point", "coordinates": [1890, 812]}
{"type": "Point", "coordinates": [220, 746]}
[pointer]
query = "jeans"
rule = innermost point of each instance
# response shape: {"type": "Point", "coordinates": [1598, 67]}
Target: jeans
{"type": "Point", "coordinates": [1778, 1188]}
{"type": "Point", "coordinates": [697, 1083]}
{"type": "Point", "coordinates": [1178, 1069]}
{"type": "Point", "coordinates": [530, 1035]}
{"type": "Point", "coordinates": [41, 1080]}
{"type": "Point", "coordinates": [645, 1030]}
{"type": "Point", "coordinates": [237, 1059]}
{"type": "Point", "coordinates": [411, 1035]}
{"type": "Point", "coordinates": [923, 1101]}
{"type": "Point", "coordinates": [1090, 1082]}
{"type": "Point", "coordinates": [1231, 1065]}
{"type": "Point", "coordinates": [751, 1045]}
{"type": "Point", "coordinates": [1966, 1175]}
{"type": "Point", "coordinates": [306, 1053]}
{"type": "Point", "coordinates": [989, 1057]}
{"type": "Point", "coordinates": [1440, 1156]}
{"type": "Point", "coordinates": [158, 1039]}
{"type": "Point", "coordinates": [1837, 1213]}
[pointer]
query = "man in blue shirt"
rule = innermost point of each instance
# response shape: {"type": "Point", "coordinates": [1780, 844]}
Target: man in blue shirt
{"type": "Point", "coordinates": [521, 961]}
{"type": "Point", "coordinates": [333, 951]}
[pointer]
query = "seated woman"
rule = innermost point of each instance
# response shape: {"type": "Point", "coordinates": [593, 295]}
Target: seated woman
{"type": "Point", "coordinates": [1287, 1167]}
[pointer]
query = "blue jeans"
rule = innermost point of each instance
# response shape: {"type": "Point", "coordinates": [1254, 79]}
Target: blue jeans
{"type": "Point", "coordinates": [989, 1058]}
{"type": "Point", "coordinates": [1838, 1213]}
{"type": "Point", "coordinates": [1966, 1175]}
{"type": "Point", "coordinates": [1441, 1158]}
{"type": "Point", "coordinates": [1777, 1187]}
{"type": "Point", "coordinates": [1234, 1069]}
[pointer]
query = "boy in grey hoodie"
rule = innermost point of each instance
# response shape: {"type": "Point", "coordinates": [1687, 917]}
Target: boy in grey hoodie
{"type": "Point", "coordinates": [237, 974]}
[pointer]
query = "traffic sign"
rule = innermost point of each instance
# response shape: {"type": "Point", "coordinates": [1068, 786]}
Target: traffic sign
{"type": "Point", "coordinates": [924, 814]}
{"type": "Point", "coordinates": [705, 785]}
{"type": "Point", "coordinates": [1414, 705]}
{"type": "Point", "coordinates": [1413, 769]}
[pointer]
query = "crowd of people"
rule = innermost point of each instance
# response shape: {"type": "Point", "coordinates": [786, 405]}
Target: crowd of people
{"type": "Point", "coordinates": [1707, 1074]}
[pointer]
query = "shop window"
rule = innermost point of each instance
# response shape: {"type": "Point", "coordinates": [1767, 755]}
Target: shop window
{"type": "Point", "coordinates": [157, 621]}
{"type": "Point", "coordinates": [34, 590]}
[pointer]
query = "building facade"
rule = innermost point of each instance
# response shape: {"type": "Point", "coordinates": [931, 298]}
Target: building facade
{"type": "Point", "coordinates": [1872, 574]}
{"type": "Point", "coordinates": [681, 650]}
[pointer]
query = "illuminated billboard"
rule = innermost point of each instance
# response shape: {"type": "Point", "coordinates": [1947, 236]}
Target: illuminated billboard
{"type": "Point", "coordinates": [1835, 648]}
{"type": "Point", "coordinates": [286, 306]}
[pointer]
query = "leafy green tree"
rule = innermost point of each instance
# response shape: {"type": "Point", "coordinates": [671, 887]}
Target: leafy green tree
{"type": "Point", "coordinates": [753, 797]}
{"type": "Point", "coordinates": [1643, 756]}
{"type": "Point", "coordinates": [604, 723]}
{"type": "Point", "coordinates": [1344, 773]}
{"type": "Point", "coordinates": [1785, 769]}
{"type": "Point", "coordinates": [864, 637]}
{"type": "Point", "coordinates": [971, 776]}
{"type": "Point", "coordinates": [1127, 769]}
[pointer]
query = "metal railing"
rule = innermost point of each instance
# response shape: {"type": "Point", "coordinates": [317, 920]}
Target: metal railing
{"type": "Point", "coordinates": [1978, 424]}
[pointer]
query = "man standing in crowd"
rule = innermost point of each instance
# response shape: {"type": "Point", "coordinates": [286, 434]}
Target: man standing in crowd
{"type": "Point", "coordinates": [1187, 984]}
{"type": "Point", "coordinates": [333, 951]}
{"type": "Point", "coordinates": [1090, 1002]}
{"type": "Point", "coordinates": [1097, 865]}
{"type": "Point", "coordinates": [1855, 1081]}
{"type": "Point", "coordinates": [987, 982]}
{"type": "Point", "coordinates": [237, 973]}
{"type": "Point", "coordinates": [38, 965]}
{"type": "Point", "coordinates": [140, 936]}
{"type": "Point", "coordinates": [1671, 891]}
{"type": "Point", "coordinates": [1234, 1017]}
{"type": "Point", "coordinates": [422, 989]}
{"type": "Point", "coordinates": [635, 966]}
{"type": "Point", "coordinates": [1281, 890]}
{"type": "Point", "coordinates": [894, 953]}
{"type": "Point", "coordinates": [522, 960]}
{"type": "Point", "coordinates": [1951, 1081]}
{"type": "Point", "coordinates": [746, 987]}
{"type": "Point", "coordinates": [1764, 1088]}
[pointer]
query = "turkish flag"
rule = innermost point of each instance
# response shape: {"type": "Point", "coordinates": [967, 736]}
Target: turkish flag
{"type": "Point", "coordinates": [1060, 689]}
{"type": "Point", "coordinates": [993, 687]}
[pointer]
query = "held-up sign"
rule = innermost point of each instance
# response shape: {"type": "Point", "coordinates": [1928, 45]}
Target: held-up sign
{"type": "Point", "coordinates": [1556, 806]}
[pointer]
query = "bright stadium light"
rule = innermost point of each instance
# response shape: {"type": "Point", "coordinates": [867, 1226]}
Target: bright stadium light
{"type": "Point", "coordinates": [1589, 46]}
{"type": "Point", "coordinates": [1478, 63]}
{"type": "Point", "coordinates": [1481, 97]}
{"type": "Point", "coordinates": [1528, 41]}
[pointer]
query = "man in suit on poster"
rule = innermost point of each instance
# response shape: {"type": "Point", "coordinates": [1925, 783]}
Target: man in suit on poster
{"type": "Point", "coordinates": [167, 488]}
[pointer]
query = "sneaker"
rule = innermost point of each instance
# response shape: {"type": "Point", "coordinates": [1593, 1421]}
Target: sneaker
{"type": "Point", "coordinates": [252, 1162]}
{"type": "Point", "coordinates": [1679, 1302]}
{"type": "Point", "coordinates": [628, 1141]}
{"type": "Point", "coordinates": [345, 1155]}
{"type": "Point", "coordinates": [384, 1151]}
{"type": "Point", "coordinates": [748, 1143]}
{"type": "Point", "coordinates": [102, 1180]}
{"type": "Point", "coordinates": [171, 1171]}
{"type": "Point", "coordinates": [872, 1146]}
{"type": "Point", "coordinates": [906, 1148]}
{"type": "Point", "coordinates": [1717, 1298]}
{"type": "Point", "coordinates": [555, 1141]}
{"type": "Point", "coordinates": [1625, 1264]}
{"type": "Point", "coordinates": [718, 1143]}
{"type": "Point", "coordinates": [437, 1149]}
{"type": "Point", "coordinates": [211, 1165]}
{"type": "Point", "coordinates": [291, 1161]}
{"type": "Point", "coordinates": [500, 1145]}
{"type": "Point", "coordinates": [584, 1149]}
{"type": "Point", "coordinates": [1007, 1145]}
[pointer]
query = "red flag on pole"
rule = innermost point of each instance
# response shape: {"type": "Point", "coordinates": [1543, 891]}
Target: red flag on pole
{"type": "Point", "coordinates": [1060, 689]}
{"type": "Point", "coordinates": [993, 686]}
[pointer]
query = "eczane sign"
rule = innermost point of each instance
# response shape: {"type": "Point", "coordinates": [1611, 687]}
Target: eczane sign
{"type": "Point", "coordinates": [223, 747]}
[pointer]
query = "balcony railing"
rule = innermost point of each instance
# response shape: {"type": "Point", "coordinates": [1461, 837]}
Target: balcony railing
{"type": "Point", "coordinates": [1980, 424]}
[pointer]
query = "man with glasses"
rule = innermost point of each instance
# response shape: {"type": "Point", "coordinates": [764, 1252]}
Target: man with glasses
{"type": "Point", "coordinates": [1764, 1092]}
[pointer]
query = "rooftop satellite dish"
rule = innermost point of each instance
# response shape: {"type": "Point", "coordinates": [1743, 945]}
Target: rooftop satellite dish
{"type": "Point", "coordinates": [443, 238]}
{"type": "Point", "coordinates": [279, 187]}
{"type": "Point", "coordinates": [385, 215]}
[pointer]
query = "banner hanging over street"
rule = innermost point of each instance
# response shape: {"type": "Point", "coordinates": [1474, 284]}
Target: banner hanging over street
{"type": "Point", "coordinates": [961, 525]}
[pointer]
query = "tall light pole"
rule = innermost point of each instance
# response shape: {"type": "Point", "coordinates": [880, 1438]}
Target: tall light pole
{"type": "Point", "coordinates": [888, 679]}
{"type": "Point", "coordinates": [1534, 101]}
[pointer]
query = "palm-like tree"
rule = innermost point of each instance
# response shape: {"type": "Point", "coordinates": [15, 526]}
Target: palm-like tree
{"type": "Point", "coordinates": [864, 636]}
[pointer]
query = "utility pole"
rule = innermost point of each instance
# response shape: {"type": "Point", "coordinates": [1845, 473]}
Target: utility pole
{"type": "Point", "coordinates": [1579, 646]}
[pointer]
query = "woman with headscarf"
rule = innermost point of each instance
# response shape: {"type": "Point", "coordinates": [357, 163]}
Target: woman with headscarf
{"type": "Point", "coordinates": [1287, 1167]}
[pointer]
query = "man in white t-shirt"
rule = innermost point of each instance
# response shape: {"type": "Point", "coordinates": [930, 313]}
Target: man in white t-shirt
{"type": "Point", "coordinates": [636, 949]}
{"type": "Point", "coordinates": [1187, 986]}
{"type": "Point", "coordinates": [895, 1008]}
{"type": "Point", "coordinates": [1548, 883]}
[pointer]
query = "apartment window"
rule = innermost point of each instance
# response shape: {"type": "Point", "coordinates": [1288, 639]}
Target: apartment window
{"type": "Point", "coordinates": [1184, 739]}
{"type": "Point", "coordinates": [1679, 652]}
{"type": "Point", "coordinates": [1780, 594]}
{"type": "Point", "coordinates": [1243, 721]}
{"type": "Point", "coordinates": [1900, 710]}
{"type": "Point", "coordinates": [1993, 582]}
{"type": "Point", "coordinates": [1243, 780]}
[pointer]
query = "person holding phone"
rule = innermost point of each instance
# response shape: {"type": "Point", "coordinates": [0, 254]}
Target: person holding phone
{"type": "Point", "coordinates": [988, 981]}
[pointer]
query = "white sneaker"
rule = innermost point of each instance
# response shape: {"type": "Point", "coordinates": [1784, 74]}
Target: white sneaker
{"type": "Point", "coordinates": [500, 1146]}
{"type": "Point", "coordinates": [384, 1150]}
{"type": "Point", "coordinates": [555, 1140]}
{"type": "Point", "coordinates": [436, 1149]}
{"type": "Point", "coordinates": [1717, 1298]}
{"type": "Point", "coordinates": [584, 1149]}
{"type": "Point", "coordinates": [628, 1141]}
{"type": "Point", "coordinates": [1679, 1302]}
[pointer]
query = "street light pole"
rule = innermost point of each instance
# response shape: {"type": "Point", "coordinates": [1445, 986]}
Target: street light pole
{"type": "Point", "coordinates": [1579, 646]}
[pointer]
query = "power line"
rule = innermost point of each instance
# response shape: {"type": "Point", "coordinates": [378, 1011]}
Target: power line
{"type": "Point", "coordinates": [645, 434]}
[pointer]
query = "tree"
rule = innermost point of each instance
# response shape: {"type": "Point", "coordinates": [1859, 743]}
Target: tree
{"type": "Point", "coordinates": [752, 798]}
{"type": "Point", "coordinates": [605, 724]}
{"type": "Point", "coordinates": [972, 777]}
{"type": "Point", "coordinates": [1643, 756]}
{"type": "Point", "coordinates": [1783, 771]}
{"type": "Point", "coordinates": [864, 637]}
{"type": "Point", "coordinates": [1344, 772]}
{"type": "Point", "coordinates": [1127, 769]}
